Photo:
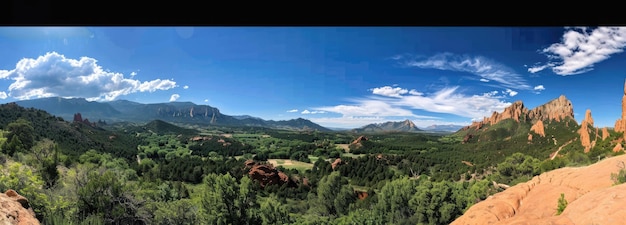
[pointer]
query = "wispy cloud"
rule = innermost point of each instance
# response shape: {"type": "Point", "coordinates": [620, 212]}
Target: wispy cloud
{"type": "Point", "coordinates": [185, 87]}
{"type": "Point", "coordinates": [55, 75]}
{"type": "Point", "coordinates": [382, 106]}
{"type": "Point", "coordinates": [312, 112]}
{"type": "Point", "coordinates": [132, 74]}
{"type": "Point", "coordinates": [483, 80]}
{"type": "Point", "coordinates": [206, 100]}
{"type": "Point", "coordinates": [292, 111]}
{"type": "Point", "coordinates": [389, 91]}
{"type": "Point", "coordinates": [174, 97]}
{"type": "Point", "coordinates": [487, 69]}
{"type": "Point", "coordinates": [581, 48]}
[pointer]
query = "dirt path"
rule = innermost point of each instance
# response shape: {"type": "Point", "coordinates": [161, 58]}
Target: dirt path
{"type": "Point", "coordinates": [554, 154]}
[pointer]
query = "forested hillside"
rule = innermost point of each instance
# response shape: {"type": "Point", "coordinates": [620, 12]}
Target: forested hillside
{"type": "Point", "coordinates": [73, 172]}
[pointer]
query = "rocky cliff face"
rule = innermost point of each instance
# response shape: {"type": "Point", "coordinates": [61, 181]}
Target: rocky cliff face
{"type": "Point", "coordinates": [557, 110]}
{"type": "Point", "coordinates": [15, 210]}
{"type": "Point", "coordinates": [592, 197]}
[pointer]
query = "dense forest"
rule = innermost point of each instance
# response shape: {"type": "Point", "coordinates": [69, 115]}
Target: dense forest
{"type": "Point", "coordinates": [74, 172]}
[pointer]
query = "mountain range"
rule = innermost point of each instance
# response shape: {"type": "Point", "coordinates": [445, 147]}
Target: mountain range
{"type": "Point", "coordinates": [178, 112]}
{"type": "Point", "coordinates": [190, 113]}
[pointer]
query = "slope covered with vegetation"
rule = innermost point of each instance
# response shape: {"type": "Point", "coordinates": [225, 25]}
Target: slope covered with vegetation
{"type": "Point", "coordinates": [160, 173]}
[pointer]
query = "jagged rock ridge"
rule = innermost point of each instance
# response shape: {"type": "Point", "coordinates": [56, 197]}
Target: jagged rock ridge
{"type": "Point", "coordinates": [556, 109]}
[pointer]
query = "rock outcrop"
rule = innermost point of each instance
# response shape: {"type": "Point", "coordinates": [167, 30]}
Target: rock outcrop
{"type": "Point", "coordinates": [336, 163]}
{"type": "Point", "coordinates": [618, 147]}
{"type": "Point", "coordinates": [538, 128]}
{"type": "Point", "coordinates": [605, 133]}
{"type": "Point", "coordinates": [266, 174]}
{"type": "Point", "coordinates": [556, 109]}
{"type": "Point", "coordinates": [585, 139]}
{"type": "Point", "coordinates": [15, 210]}
{"type": "Point", "coordinates": [592, 197]}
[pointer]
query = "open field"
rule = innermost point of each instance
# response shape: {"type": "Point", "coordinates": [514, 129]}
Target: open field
{"type": "Point", "coordinates": [345, 147]}
{"type": "Point", "coordinates": [352, 155]}
{"type": "Point", "coordinates": [290, 164]}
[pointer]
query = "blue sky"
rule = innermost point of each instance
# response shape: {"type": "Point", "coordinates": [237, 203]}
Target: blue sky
{"type": "Point", "coordinates": [335, 76]}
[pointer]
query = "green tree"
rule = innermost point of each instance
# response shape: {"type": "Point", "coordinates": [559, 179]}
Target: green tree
{"type": "Point", "coordinates": [334, 195]}
{"type": "Point", "coordinates": [179, 212]}
{"type": "Point", "coordinates": [23, 130]}
{"type": "Point", "coordinates": [562, 203]}
{"type": "Point", "coordinates": [273, 212]}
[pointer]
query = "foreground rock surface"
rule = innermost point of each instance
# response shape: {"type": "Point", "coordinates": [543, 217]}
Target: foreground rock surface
{"type": "Point", "coordinates": [15, 210]}
{"type": "Point", "coordinates": [592, 197]}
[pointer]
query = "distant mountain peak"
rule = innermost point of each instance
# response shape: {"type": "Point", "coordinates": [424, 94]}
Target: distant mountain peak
{"type": "Point", "coordinates": [390, 126]}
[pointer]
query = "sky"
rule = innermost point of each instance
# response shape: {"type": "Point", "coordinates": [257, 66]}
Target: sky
{"type": "Point", "coordinates": [338, 77]}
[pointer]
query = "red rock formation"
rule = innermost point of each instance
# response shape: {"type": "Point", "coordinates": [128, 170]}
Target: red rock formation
{"type": "Point", "coordinates": [618, 147]}
{"type": "Point", "coordinates": [585, 139]}
{"type": "Point", "coordinates": [361, 194]}
{"type": "Point", "coordinates": [467, 138]}
{"type": "Point", "coordinates": [15, 210]}
{"type": "Point", "coordinates": [592, 197]}
{"type": "Point", "coordinates": [538, 128]}
{"type": "Point", "coordinates": [359, 140]}
{"type": "Point", "coordinates": [605, 133]}
{"type": "Point", "coordinates": [556, 109]}
{"type": "Point", "coordinates": [336, 163]}
{"type": "Point", "coordinates": [266, 174]}
{"type": "Point", "coordinates": [78, 117]}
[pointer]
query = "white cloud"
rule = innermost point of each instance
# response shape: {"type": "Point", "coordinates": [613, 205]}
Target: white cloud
{"type": "Point", "coordinates": [356, 122]}
{"type": "Point", "coordinates": [484, 80]}
{"type": "Point", "coordinates": [480, 66]}
{"type": "Point", "coordinates": [312, 112]}
{"type": "Point", "coordinates": [206, 100]}
{"type": "Point", "coordinates": [581, 48]}
{"type": "Point", "coordinates": [55, 75]}
{"type": "Point", "coordinates": [186, 87]}
{"type": "Point", "coordinates": [389, 91]}
{"type": "Point", "coordinates": [510, 92]}
{"type": "Point", "coordinates": [174, 97]}
{"type": "Point", "coordinates": [448, 101]}
{"type": "Point", "coordinates": [3, 95]}
{"type": "Point", "coordinates": [414, 92]}
{"type": "Point", "coordinates": [539, 88]}
{"type": "Point", "coordinates": [292, 111]}
{"type": "Point", "coordinates": [368, 108]}
{"type": "Point", "coordinates": [132, 74]}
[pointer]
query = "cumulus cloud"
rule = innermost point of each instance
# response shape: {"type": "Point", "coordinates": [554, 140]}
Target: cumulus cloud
{"type": "Point", "coordinates": [312, 112]}
{"type": "Point", "coordinates": [581, 48]}
{"type": "Point", "coordinates": [389, 91]}
{"type": "Point", "coordinates": [483, 80]}
{"type": "Point", "coordinates": [360, 121]}
{"type": "Point", "coordinates": [132, 74]}
{"type": "Point", "coordinates": [55, 75]}
{"type": "Point", "coordinates": [3, 95]}
{"type": "Point", "coordinates": [485, 68]}
{"type": "Point", "coordinates": [292, 111]}
{"type": "Point", "coordinates": [185, 87]}
{"type": "Point", "coordinates": [174, 97]}
{"type": "Point", "coordinates": [510, 92]}
{"type": "Point", "coordinates": [539, 88]}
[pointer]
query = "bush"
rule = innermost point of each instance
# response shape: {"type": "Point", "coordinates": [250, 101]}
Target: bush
{"type": "Point", "coordinates": [561, 204]}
